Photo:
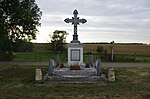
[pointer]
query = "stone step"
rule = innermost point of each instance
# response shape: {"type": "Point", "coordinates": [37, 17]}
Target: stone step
{"type": "Point", "coordinates": [86, 72]}
{"type": "Point", "coordinates": [79, 78]}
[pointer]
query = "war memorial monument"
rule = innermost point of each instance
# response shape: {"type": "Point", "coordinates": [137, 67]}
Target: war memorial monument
{"type": "Point", "coordinates": [75, 69]}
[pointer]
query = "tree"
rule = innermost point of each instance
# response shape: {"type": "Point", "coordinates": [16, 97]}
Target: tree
{"type": "Point", "coordinates": [18, 21]}
{"type": "Point", "coordinates": [58, 40]}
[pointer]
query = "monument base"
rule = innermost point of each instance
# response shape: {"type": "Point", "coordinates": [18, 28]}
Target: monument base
{"type": "Point", "coordinates": [75, 54]}
{"type": "Point", "coordinates": [86, 75]}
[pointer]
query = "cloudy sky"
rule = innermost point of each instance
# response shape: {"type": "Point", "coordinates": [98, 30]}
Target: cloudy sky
{"type": "Point", "coordinates": [107, 20]}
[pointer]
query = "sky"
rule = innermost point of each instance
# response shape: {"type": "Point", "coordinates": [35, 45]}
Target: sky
{"type": "Point", "coordinates": [122, 21]}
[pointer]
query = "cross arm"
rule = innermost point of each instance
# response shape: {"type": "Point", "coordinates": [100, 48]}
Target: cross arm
{"type": "Point", "coordinates": [67, 20]}
{"type": "Point", "coordinates": [82, 21]}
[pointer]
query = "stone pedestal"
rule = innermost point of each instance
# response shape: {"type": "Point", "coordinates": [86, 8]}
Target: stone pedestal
{"type": "Point", "coordinates": [75, 54]}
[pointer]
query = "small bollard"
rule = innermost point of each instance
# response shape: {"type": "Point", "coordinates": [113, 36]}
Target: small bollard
{"type": "Point", "coordinates": [111, 75]}
{"type": "Point", "coordinates": [38, 74]}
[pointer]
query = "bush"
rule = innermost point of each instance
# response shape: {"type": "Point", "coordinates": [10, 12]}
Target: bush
{"type": "Point", "coordinates": [6, 56]}
{"type": "Point", "coordinates": [100, 50]}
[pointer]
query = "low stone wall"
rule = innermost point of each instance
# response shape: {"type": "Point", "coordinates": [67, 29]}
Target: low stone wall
{"type": "Point", "coordinates": [77, 79]}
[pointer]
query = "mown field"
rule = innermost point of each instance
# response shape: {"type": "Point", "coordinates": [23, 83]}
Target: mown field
{"type": "Point", "coordinates": [139, 49]}
{"type": "Point", "coordinates": [17, 82]}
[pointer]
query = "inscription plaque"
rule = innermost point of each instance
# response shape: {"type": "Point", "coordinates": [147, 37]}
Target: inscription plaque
{"type": "Point", "coordinates": [75, 55]}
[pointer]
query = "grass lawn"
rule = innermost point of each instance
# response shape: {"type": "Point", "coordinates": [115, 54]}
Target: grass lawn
{"type": "Point", "coordinates": [18, 82]}
{"type": "Point", "coordinates": [32, 56]}
{"type": "Point", "coordinates": [37, 56]}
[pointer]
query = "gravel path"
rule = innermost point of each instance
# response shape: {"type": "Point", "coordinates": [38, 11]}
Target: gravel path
{"type": "Point", "coordinates": [105, 64]}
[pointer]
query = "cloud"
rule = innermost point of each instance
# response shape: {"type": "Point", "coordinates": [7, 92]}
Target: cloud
{"type": "Point", "coordinates": [119, 20]}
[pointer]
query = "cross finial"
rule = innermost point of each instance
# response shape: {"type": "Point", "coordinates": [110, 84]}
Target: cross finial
{"type": "Point", "coordinates": [75, 21]}
{"type": "Point", "coordinates": [75, 12]}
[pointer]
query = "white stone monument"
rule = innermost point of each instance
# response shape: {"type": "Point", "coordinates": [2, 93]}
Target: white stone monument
{"type": "Point", "coordinates": [75, 48]}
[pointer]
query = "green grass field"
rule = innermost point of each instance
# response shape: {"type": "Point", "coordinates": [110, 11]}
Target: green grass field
{"type": "Point", "coordinates": [17, 82]}
{"type": "Point", "coordinates": [38, 56]}
{"type": "Point", "coordinates": [33, 56]}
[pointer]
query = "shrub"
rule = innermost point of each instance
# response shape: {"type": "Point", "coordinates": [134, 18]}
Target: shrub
{"type": "Point", "coordinates": [100, 49]}
{"type": "Point", "coordinates": [87, 66]}
{"type": "Point", "coordinates": [61, 65]}
{"type": "Point", "coordinates": [6, 56]}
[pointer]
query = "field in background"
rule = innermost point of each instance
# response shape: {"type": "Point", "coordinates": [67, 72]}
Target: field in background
{"type": "Point", "coordinates": [41, 47]}
{"type": "Point", "coordinates": [123, 52]}
{"type": "Point", "coordinates": [139, 49]}
{"type": "Point", "coordinates": [18, 82]}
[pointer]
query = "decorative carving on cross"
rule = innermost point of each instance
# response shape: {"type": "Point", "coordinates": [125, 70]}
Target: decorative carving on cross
{"type": "Point", "coordinates": [75, 21]}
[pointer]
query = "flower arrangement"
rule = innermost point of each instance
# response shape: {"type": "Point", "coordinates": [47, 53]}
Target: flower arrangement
{"type": "Point", "coordinates": [75, 67]}
{"type": "Point", "coordinates": [87, 66]}
{"type": "Point", "coordinates": [61, 65]}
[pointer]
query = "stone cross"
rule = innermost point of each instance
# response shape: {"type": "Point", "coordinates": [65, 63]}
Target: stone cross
{"type": "Point", "coordinates": [75, 21]}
